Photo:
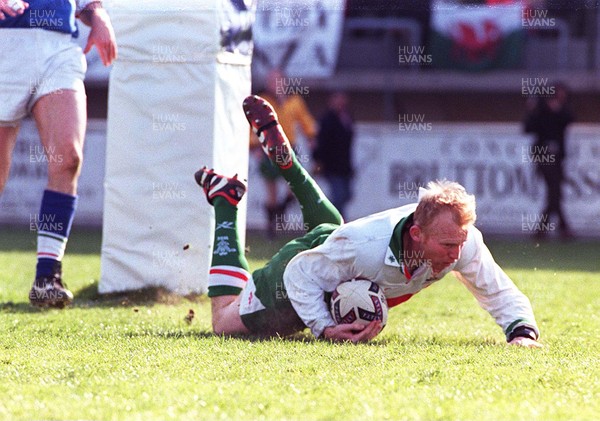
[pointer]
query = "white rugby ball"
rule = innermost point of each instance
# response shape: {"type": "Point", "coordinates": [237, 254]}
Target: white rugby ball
{"type": "Point", "coordinates": [358, 300]}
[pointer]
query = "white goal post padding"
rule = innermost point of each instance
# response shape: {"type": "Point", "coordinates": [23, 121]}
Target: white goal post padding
{"type": "Point", "coordinates": [174, 105]}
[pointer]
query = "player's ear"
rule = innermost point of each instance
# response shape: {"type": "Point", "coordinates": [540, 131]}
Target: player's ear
{"type": "Point", "coordinates": [416, 232]}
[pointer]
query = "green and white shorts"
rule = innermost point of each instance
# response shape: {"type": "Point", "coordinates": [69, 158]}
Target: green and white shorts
{"type": "Point", "coordinates": [265, 307]}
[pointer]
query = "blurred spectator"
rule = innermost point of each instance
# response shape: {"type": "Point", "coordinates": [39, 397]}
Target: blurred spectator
{"type": "Point", "coordinates": [548, 119]}
{"type": "Point", "coordinates": [293, 114]}
{"type": "Point", "coordinates": [333, 152]}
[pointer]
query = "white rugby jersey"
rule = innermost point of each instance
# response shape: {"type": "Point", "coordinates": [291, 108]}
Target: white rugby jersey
{"type": "Point", "coordinates": [370, 248]}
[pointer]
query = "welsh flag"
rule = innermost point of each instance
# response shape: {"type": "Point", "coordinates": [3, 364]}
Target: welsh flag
{"type": "Point", "coordinates": [476, 38]}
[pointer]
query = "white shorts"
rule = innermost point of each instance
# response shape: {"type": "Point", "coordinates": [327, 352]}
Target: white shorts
{"type": "Point", "coordinates": [36, 62]}
{"type": "Point", "coordinates": [249, 302]}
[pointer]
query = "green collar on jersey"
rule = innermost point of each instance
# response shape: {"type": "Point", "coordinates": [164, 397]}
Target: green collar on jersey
{"type": "Point", "coordinates": [394, 251]}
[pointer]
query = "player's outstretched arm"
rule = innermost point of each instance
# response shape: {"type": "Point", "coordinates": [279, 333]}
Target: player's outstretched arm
{"type": "Point", "coordinates": [102, 34]}
{"type": "Point", "coordinates": [496, 292]}
{"type": "Point", "coordinates": [353, 332]}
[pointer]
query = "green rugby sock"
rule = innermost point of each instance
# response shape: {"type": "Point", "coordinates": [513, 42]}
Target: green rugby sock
{"type": "Point", "coordinates": [229, 271]}
{"type": "Point", "coordinates": [316, 207]}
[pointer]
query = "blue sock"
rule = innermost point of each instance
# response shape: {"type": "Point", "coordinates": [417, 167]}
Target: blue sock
{"type": "Point", "coordinates": [53, 226]}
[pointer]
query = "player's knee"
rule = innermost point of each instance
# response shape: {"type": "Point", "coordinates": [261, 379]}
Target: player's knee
{"type": "Point", "coordinates": [226, 319]}
{"type": "Point", "coordinates": [73, 160]}
{"type": "Point", "coordinates": [220, 327]}
{"type": "Point", "coordinates": [65, 163]}
{"type": "Point", "coordinates": [227, 322]}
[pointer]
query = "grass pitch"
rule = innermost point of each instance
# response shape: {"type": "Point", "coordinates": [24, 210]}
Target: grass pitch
{"type": "Point", "coordinates": [440, 357]}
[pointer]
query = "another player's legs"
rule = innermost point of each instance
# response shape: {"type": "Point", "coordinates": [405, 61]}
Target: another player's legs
{"type": "Point", "coordinates": [8, 137]}
{"type": "Point", "coordinates": [61, 119]}
{"type": "Point", "coordinates": [316, 208]}
{"type": "Point", "coordinates": [229, 271]}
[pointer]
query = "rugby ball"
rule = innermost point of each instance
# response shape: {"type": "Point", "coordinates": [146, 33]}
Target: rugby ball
{"type": "Point", "coordinates": [358, 300]}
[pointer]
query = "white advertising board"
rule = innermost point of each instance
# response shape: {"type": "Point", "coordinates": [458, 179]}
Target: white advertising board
{"type": "Point", "coordinates": [491, 160]}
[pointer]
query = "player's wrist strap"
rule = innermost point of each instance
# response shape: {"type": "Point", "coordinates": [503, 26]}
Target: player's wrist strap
{"type": "Point", "coordinates": [522, 332]}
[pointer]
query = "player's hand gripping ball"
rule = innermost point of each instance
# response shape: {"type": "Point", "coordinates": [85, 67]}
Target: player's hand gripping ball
{"type": "Point", "coordinates": [358, 300]}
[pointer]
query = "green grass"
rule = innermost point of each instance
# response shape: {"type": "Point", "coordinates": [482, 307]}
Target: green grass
{"type": "Point", "coordinates": [440, 357]}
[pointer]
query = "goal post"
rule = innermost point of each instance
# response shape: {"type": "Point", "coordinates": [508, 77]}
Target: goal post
{"type": "Point", "coordinates": [175, 97]}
